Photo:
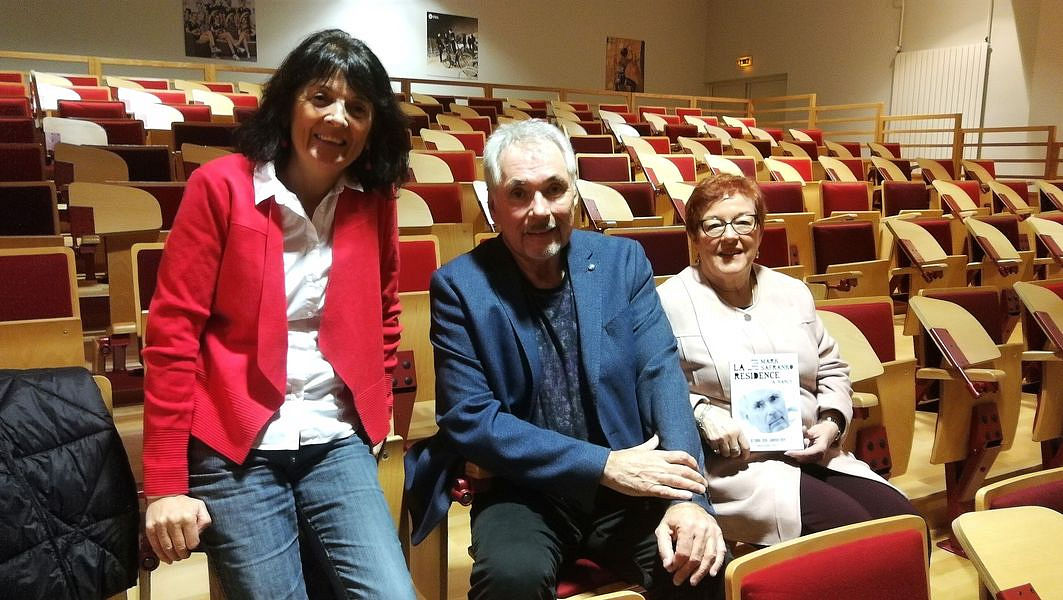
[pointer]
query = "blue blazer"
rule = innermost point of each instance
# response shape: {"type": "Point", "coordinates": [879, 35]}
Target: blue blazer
{"type": "Point", "coordinates": [488, 374]}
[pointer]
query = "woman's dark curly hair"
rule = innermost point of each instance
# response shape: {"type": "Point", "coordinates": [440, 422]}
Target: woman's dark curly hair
{"type": "Point", "coordinates": [319, 57]}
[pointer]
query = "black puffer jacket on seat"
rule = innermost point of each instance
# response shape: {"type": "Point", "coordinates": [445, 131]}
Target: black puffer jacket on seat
{"type": "Point", "coordinates": [68, 504]}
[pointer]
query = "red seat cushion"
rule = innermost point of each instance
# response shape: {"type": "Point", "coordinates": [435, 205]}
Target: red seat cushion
{"type": "Point", "coordinates": [222, 87]}
{"type": "Point", "coordinates": [803, 165]}
{"type": "Point", "coordinates": [856, 166]}
{"type": "Point", "coordinates": [940, 229]}
{"type": "Point", "coordinates": [151, 84]}
{"type": "Point", "coordinates": [12, 90]}
{"type": "Point", "coordinates": [579, 106]}
{"type": "Point", "coordinates": [414, 123]}
{"type": "Point", "coordinates": [815, 134]}
{"type": "Point", "coordinates": [168, 194]}
{"type": "Point", "coordinates": [1020, 186]}
{"type": "Point", "coordinates": [655, 110]}
{"type": "Point", "coordinates": [983, 303]}
{"type": "Point", "coordinates": [713, 145]}
{"type": "Point", "coordinates": [659, 143]}
{"type": "Point", "coordinates": [93, 92]}
{"type": "Point", "coordinates": [431, 110]}
{"type": "Point", "coordinates": [617, 108]}
{"type": "Point", "coordinates": [774, 247]}
{"type": "Point", "coordinates": [639, 196]}
{"type": "Point", "coordinates": [148, 260]}
{"type": "Point", "coordinates": [592, 144]}
{"type": "Point", "coordinates": [988, 165]}
{"type": "Point", "coordinates": [497, 103]}
{"type": "Point", "coordinates": [840, 243]}
{"type": "Point", "coordinates": [443, 199]}
{"type": "Point", "coordinates": [592, 127]}
{"type": "Point", "coordinates": [686, 165]}
{"type": "Point", "coordinates": [123, 131]}
{"type": "Point", "coordinates": [83, 80]}
{"type": "Point", "coordinates": [538, 104]}
{"type": "Point", "coordinates": [49, 295]}
{"type": "Point", "coordinates": [810, 148]}
{"type": "Point", "coordinates": [1049, 495]}
{"type": "Point", "coordinates": [21, 162]}
{"type": "Point", "coordinates": [584, 115]}
{"type": "Point", "coordinates": [893, 147]}
{"type": "Point", "coordinates": [92, 109]}
{"type": "Point", "coordinates": [243, 100]}
{"type": "Point", "coordinates": [486, 111]}
{"type": "Point", "coordinates": [764, 146]}
{"type": "Point", "coordinates": [875, 321]}
{"type": "Point", "coordinates": [479, 124]}
{"type": "Point", "coordinates": [853, 148]}
{"type": "Point", "coordinates": [204, 134]}
{"type": "Point", "coordinates": [15, 107]}
{"type": "Point", "coordinates": [898, 571]}
{"type": "Point", "coordinates": [472, 140]}
{"type": "Point", "coordinates": [241, 114]}
{"type": "Point", "coordinates": [171, 96]}
{"type": "Point", "coordinates": [417, 262]}
{"type": "Point", "coordinates": [747, 164]}
{"type": "Point", "coordinates": [462, 163]}
{"type": "Point", "coordinates": [27, 209]}
{"type": "Point", "coordinates": [904, 195]}
{"type": "Point", "coordinates": [844, 197]}
{"type": "Point", "coordinates": [194, 113]}
{"type": "Point", "coordinates": [681, 129]}
{"type": "Point", "coordinates": [683, 111]}
{"type": "Point", "coordinates": [666, 248]}
{"type": "Point", "coordinates": [17, 130]}
{"type": "Point", "coordinates": [630, 117]}
{"type": "Point", "coordinates": [782, 197]}
{"type": "Point", "coordinates": [604, 167]}
{"type": "Point", "coordinates": [1008, 225]}
{"type": "Point", "coordinates": [146, 163]}
{"type": "Point", "coordinates": [11, 77]}
{"type": "Point", "coordinates": [775, 133]}
{"type": "Point", "coordinates": [581, 576]}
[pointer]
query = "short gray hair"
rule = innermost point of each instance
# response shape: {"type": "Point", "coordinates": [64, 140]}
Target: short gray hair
{"type": "Point", "coordinates": [523, 132]}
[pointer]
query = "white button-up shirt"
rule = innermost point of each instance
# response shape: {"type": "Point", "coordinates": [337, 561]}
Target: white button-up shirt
{"type": "Point", "coordinates": [312, 412]}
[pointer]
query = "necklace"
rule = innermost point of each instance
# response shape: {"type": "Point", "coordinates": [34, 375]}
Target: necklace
{"type": "Point", "coordinates": [745, 310]}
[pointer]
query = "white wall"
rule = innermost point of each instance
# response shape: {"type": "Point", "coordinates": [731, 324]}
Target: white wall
{"type": "Point", "coordinates": [541, 42]}
{"type": "Point", "coordinates": [840, 49]}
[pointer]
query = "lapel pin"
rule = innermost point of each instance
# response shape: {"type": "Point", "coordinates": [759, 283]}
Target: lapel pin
{"type": "Point", "coordinates": [590, 267]}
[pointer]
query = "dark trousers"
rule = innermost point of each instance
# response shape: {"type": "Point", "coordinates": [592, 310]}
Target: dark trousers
{"type": "Point", "coordinates": [520, 539]}
{"type": "Point", "coordinates": [830, 499]}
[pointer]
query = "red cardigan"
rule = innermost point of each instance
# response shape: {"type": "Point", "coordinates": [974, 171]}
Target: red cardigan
{"type": "Point", "coordinates": [215, 363]}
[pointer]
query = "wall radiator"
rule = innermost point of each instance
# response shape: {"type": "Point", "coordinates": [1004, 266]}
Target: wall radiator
{"type": "Point", "coordinates": [936, 81]}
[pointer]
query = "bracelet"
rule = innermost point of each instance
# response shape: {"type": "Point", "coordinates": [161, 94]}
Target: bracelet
{"type": "Point", "coordinates": [832, 419]}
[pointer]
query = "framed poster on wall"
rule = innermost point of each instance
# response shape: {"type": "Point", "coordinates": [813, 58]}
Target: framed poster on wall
{"type": "Point", "coordinates": [220, 29]}
{"type": "Point", "coordinates": [453, 46]}
{"type": "Point", "coordinates": [625, 64]}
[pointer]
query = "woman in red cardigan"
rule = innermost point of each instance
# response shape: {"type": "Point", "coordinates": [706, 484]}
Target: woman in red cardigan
{"type": "Point", "coordinates": [272, 338]}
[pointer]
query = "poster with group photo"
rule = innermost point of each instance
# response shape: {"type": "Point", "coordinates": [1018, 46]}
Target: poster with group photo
{"type": "Point", "coordinates": [625, 64]}
{"type": "Point", "coordinates": [453, 46]}
{"type": "Point", "coordinates": [220, 29]}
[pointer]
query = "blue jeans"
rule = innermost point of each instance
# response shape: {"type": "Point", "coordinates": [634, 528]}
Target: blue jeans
{"type": "Point", "coordinates": [322, 500]}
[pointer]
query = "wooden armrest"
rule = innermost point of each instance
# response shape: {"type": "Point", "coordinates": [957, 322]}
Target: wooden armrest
{"type": "Point", "coordinates": [656, 221]}
{"type": "Point", "coordinates": [864, 400]}
{"type": "Point", "coordinates": [122, 328]}
{"type": "Point", "coordinates": [834, 276]}
{"type": "Point", "coordinates": [986, 375]}
{"type": "Point", "coordinates": [1040, 356]}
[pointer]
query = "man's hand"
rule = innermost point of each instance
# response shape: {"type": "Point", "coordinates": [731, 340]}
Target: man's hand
{"type": "Point", "coordinates": [690, 543]}
{"type": "Point", "coordinates": [721, 432]}
{"type": "Point", "coordinates": [820, 438]}
{"type": "Point", "coordinates": [173, 525]}
{"type": "Point", "coordinates": [645, 471]}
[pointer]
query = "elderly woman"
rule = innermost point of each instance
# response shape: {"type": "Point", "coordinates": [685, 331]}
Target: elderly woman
{"type": "Point", "coordinates": [272, 337]}
{"type": "Point", "coordinates": [726, 307]}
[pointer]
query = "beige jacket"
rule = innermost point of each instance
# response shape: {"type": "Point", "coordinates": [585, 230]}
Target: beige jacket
{"type": "Point", "coordinates": [758, 500]}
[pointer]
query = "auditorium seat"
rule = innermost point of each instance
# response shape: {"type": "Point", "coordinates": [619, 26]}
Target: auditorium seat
{"type": "Point", "coordinates": [13, 90]}
{"type": "Point", "coordinates": [1007, 198]}
{"type": "Point", "coordinates": [1050, 195]}
{"type": "Point", "coordinates": [28, 209]}
{"type": "Point", "coordinates": [72, 131]}
{"type": "Point", "coordinates": [888, 170]}
{"type": "Point", "coordinates": [883, 386]}
{"type": "Point", "coordinates": [887, 150]}
{"type": "Point", "coordinates": [194, 155]}
{"type": "Point", "coordinates": [462, 163]}
{"type": "Point", "coordinates": [961, 198]}
{"type": "Point", "coordinates": [123, 131]}
{"type": "Point", "coordinates": [21, 162]}
{"type": "Point", "coordinates": [789, 169]}
{"type": "Point", "coordinates": [745, 166]}
{"type": "Point", "coordinates": [846, 257]}
{"type": "Point", "coordinates": [40, 324]}
{"type": "Point", "coordinates": [838, 169]}
{"type": "Point", "coordinates": [782, 197]}
{"type": "Point", "coordinates": [145, 260]}
{"type": "Point", "coordinates": [667, 248]}
{"type": "Point", "coordinates": [845, 197]}
{"type": "Point", "coordinates": [168, 194]}
{"type": "Point", "coordinates": [843, 149]}
{"type": "Point", "coordinates": [603, 167]}
{"type": "Point", "coordinates": [75, 162]}
{"type": "Point", "coordinates": [807, 568]}
{"type": "Point", "coordinates": [606, 207]}
{"type": "Point", "coordinates": [933, 169]}
{"type": "Point", "coordinates": [900, 196]}
{"type": "Point", "coordinates": [18, 130]}
{"type": "Point", "coordinates": [15, 107]}
{"type": "Point", "coordinates": [92, 109]}
{"type": "Point", "coordinates": [592, 144]}
{"type": "Point", "coordinates": [204, 134]}
{"type": "Point", "coordinates": [1042, 324]}
{"type": "Point", "coordinates": [922, 258]}
{"type": "Point", "coordinates": [194, 113]}
{"type": "Point", "coordinates": [145, 163]}
{"type": "Point", "coordinates": [242, 114]}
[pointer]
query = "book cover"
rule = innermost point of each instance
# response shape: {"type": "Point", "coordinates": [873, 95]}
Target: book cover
{"type": "Point", "coordinates": [765, 399]}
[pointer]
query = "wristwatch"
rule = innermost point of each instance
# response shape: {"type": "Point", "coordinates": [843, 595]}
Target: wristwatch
{"type": "Point", "coordinates": [836, 421]}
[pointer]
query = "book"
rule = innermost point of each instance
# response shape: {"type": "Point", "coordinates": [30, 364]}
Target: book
{"type": "Point", "coordinates": [765, 400]}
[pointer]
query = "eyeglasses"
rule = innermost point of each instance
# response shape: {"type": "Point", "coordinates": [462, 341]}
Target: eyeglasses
{"type": "Point", "coordinates": [742, 225]}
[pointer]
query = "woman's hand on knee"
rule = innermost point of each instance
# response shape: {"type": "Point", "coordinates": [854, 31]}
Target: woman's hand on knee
{"type": "Point", "coordinates": [173, 525]}
{"type": "Point", "coordinates": [722, 434]}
